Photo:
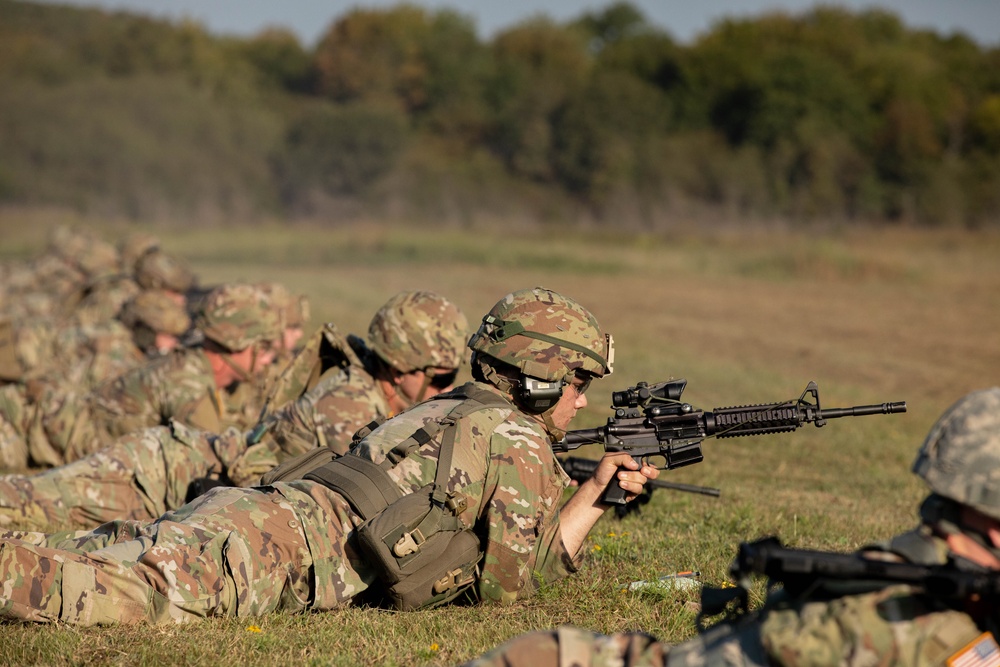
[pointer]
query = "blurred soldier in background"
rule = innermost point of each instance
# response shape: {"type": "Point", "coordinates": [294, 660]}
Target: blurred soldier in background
{"type": "Point", "coordinates": [191, 385]}
{"type": "Point", "coordinates": [39, 365]}
{"type": "Point", "coordinates": [468, 479]}
{"type": "Point", "coordinates": [889, 624]}
{"type": "Point", "coordinates": [415, 346]}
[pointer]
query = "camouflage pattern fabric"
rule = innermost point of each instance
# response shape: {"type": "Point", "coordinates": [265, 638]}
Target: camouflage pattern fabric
{"type": "Point", "coordinates": [236, 552]}
{"type": "Point", "coordinates": [893, 626]}
{"type": "Point", "coordinates": [157, 269]}
{"type": "Point", "coordinates": [545, 334]}
{"type": "Point", "coordinates": [103, 299]}
{"type": "Point", "coordinates": [237, 316]}
{"type": "Point", "coordinates": [146, 473]}
{"type": "Point", "coordinates": [141, 476]}
{"type": "Point", "coordinates": [287, 547]}
{"type": "Point", "coordinates": [505, 470]}
{"type": "Point", "coordinates": [132, 248]}
{"type": "Point", "coordinates": [179, 386]}
{"type": "Point", "coordinates": [158, 310]}
{"type": "Point", "coordinates": [15, 417]}
{"type": "Point", "coordinates": [959, 456]}
{"type": "Point", "coordinates": [418, 330]}
{"type": "Point", "coordinates": [328, 415]}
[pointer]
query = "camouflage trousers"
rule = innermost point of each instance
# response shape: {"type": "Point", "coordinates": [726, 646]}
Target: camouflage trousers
{"type": "Point", "coordinates": [140, 477]}
{"type": "Point", "coordinates": [231, 552]}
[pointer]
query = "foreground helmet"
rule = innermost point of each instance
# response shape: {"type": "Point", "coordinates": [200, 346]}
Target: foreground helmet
{"type": "Point", "coordinates": [417, 330]}
{"type": "Point", "coordinates": [960, 458]}
{"type": "Point", "coordinates": [237, 316]}
{"type": "Point", "coordinates": [544, 334]}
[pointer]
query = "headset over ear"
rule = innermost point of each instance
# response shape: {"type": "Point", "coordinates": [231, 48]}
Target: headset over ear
{"type": "Point", "coordinates": [536, 395]}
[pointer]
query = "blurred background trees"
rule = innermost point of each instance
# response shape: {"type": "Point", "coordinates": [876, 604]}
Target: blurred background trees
{"type": "Point", "coordinates": [404, 112]}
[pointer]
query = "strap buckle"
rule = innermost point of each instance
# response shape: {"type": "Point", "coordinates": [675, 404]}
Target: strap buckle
{"type": "Point", "coordinates": [453, 579]}
{"type": "Point", "coordinates": [408, 544]}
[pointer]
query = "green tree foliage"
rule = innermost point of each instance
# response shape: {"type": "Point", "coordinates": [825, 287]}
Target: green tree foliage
{"type": "Point", "coordinates": [828, 114]}
{"type": "Point", "coordinates": [277, 54]}
{"type": "Point", "coordinates": [337, 150]}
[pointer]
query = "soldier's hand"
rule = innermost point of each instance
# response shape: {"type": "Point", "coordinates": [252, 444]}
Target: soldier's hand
{"type": "Point", "coordinates": [631, 479]}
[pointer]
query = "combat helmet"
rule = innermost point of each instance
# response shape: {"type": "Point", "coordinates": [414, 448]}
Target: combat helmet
{"type": "Point", "coordinates": [960, 458]}
{"type": "Point", "coordinates": [419, 330]}
{"type": "Point", "coordinates": [236, 316]}
{"type": "Point", "coordinates": [293, 309]}
{"type": "Point", "coordinates": [157, 310]}
{"type": "Point", "coordinates": [545, 335]}
{"type": "Point", "coordinates": [133, 247]}
{"type": "Point", "coordinates": [157, 269]}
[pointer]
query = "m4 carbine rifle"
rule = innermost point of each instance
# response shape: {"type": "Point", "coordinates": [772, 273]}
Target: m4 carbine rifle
{"type": "Point", "coordinates": [803, 572]}
{"type": "Point", "coordinates": [651, 420]}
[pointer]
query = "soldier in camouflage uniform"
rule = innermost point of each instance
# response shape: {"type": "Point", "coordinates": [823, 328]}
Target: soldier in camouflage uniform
{"type": "Point", "coordinates": [896, 624]}
{"type": "Point", "coordinates": [413, 336]}
{"type": "Point", "coordinates": [292, 545]}
{"type": "Point", "coordinates": [154, 269]}
{"type": "Point", "coordinates": [414, 349]}
{"type": "Point", "coordinates": [191, 385]}
{"type": "Point", "coordinates": [52, 284]}
{"type": "Point", "coordinates": [39, 366]}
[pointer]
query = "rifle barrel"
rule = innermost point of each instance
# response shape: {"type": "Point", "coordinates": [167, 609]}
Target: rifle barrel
{"type": "Point", "coordinates": [862, 410]}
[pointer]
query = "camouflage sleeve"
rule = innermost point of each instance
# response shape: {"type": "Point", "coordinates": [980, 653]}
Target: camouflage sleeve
{"type": "Point", "coordinates": [125, 403]}
{"type": "Point", "coordinates": [523, 487]}
{"type": "Point", "coordinates": [329, 414]}
{"type": "Point", "coordinates": [892, 626]}
{"type": "Point", "coordinates": [180, 386]}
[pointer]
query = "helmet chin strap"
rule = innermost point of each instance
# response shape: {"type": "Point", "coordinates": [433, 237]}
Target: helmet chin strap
{"type": "Point", "coordinates": [241, 373]}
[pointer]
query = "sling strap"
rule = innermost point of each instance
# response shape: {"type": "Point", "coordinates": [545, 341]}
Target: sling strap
{"type": "Point", "coordinates": [369, 489]}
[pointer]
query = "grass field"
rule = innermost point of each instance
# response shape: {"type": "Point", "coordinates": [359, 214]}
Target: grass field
{"type": "Point", "coordinates": [745, 317]}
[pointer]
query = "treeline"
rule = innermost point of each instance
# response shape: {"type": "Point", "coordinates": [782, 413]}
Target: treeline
{"type": "Point", "coordinates": [406, 113]}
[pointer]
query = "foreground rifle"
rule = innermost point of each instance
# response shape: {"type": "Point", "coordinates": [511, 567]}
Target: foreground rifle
{"type": "Point", "coordinates": [822, 574]}
{"type": "Point", "coordinates": [651, 420]}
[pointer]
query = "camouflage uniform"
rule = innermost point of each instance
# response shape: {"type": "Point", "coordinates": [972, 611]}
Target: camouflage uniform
{"type": "Point", "coordinates": [179, 386]}
{"type": "Point", "coordinates": [286, 547]}
{"type": "Point", "coordinates": [116, 481]}
{"type": "Point", "coordinates": [52, 285]}
{"type": "Point", "coordinates": [289, 546]}
{"type": "Point", "coordinates": [52, 368]}
{"type": "Point", "coordinates": [146, 473]}
{"type": "Point", "coordinates": [897, 625]}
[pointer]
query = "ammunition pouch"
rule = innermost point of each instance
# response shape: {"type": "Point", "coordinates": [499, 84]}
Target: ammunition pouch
{"type": "Point", "coordinates": [420, 551]}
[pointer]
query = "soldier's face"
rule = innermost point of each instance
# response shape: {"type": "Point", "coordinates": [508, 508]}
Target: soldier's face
{"type": "Point", "coordinates": [412, 384]}
{"type": "Point", "coordinates": [572, 399]}
{"type": "Point", "coordinates": [291, 336]}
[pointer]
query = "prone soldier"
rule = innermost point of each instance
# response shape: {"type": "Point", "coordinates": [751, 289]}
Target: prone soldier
{"type": "Point", "coordinates": [414, 349]}
{"type": "Point", "coordinates": [459, 494]}
{"type": "Point", "coordinates": [191, 385]}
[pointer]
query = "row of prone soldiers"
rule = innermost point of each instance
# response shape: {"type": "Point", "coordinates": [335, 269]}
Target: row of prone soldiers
{"type": "Point", "coordinates": [97, 341]}
{"type": "Point", "coordinates": [366, 477]}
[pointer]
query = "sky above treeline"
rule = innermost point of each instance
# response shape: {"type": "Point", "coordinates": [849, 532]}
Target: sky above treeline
{"type": "Point", "coordinates": [682, 19]}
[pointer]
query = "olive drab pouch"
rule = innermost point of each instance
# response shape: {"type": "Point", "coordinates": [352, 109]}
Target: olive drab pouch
{"type": "Point", "coordinates": [299, 466]}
